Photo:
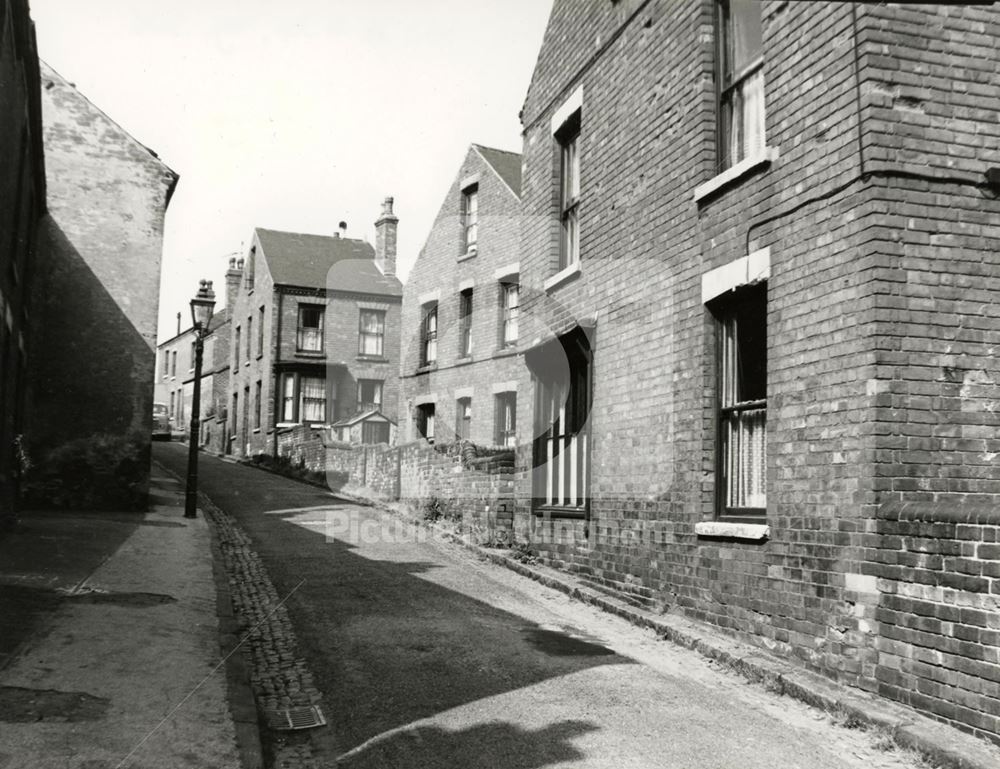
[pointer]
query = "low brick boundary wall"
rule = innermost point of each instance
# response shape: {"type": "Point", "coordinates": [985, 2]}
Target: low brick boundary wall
{"type": "Point", "coordinates": [474, 486]}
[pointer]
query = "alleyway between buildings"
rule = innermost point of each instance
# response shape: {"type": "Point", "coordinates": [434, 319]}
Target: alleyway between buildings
{"type": "Point", "coordinates": [424, 656]}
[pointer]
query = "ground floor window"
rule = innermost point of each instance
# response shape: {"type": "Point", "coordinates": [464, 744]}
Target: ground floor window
{"type": "Point", "coordinates": [742, 471]}
{"type": "Point", "coordinates": [562, 411]}
{"type": "Point", "coordinates": [303, 398]}
{"type": "Point", "coordinates": [505, 432]}
{"type": "Point", "coordinates": [425, 422]}
{"type": "Point", "coordinates": [463, 419]}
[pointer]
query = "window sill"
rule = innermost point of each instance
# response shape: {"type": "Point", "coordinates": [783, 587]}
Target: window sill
{"type": "Point", "coordinates": [550, 511]}
{"type": "Point", "coordinates": [309, 353]}
{"type": "Point", "coordinates": [372, 358]}
{"type": "Point", "coordinates": [464, 360]}
{"type": "Point", "coordinates": [426, 368]}
{"type": "Point", "coordinates": [467, 255]}
{"type": "Point", "coordinates": [505, 352]}
{"type": "Point", "coordinates": [562, 276]}
{"type": "Point", "coordinates": [731, 174]}
{"type": "Point", "coordinates": [256, 431]}
{"type": "Point", "coordinates": [755, 532]}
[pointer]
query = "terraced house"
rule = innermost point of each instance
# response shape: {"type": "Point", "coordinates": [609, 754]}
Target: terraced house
{"type": "Point", "coordinates": [760, 303]}
{"type": "Point", "coordinates": [314, 335]}
{"type": "Point", "coordinates": [461, 373]}
{"type": "Point", "coordinates": [22, 205]}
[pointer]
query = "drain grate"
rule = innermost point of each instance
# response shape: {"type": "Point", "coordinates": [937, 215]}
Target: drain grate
{"type": "Point", "coordinates": [288, 719]}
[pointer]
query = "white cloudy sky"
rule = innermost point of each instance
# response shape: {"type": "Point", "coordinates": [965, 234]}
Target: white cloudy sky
{"type": "Point", "coordinates": [297, 114]}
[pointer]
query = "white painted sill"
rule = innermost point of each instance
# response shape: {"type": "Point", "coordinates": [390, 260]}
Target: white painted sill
{"type": "Point", "coordinates": [562, 276]}
{"type": "Point", "coordinates": [731, 174]}
{"type": "Point", "coordinates": [467, 254]}
{"type": "Point", "coordinates": [756, 532]}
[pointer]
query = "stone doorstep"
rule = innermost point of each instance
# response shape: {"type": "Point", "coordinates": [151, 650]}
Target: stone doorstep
{"type": "Point", "coordinates": [946, 745]}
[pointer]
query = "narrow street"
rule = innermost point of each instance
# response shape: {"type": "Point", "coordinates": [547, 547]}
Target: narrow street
{"type": "Point", "coordinates": [428, 657]}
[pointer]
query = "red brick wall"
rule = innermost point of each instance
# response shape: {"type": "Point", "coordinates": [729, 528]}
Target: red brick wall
{"type": "Point", "coordinates": [881, 327]}
{"type": "Point", "coordinates": [103, 240]}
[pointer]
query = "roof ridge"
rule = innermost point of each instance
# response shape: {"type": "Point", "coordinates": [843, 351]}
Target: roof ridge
{"type": "Point", "coordinates": [313, 234]}
{"type": "Point", "coordinates": [494, 149]}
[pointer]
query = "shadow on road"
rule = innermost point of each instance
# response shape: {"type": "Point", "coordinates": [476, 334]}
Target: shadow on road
{"type": "Point", "coordinates": [398, 632]}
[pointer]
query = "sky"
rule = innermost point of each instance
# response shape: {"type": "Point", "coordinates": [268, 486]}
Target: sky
{"type": "Point", "coordinates": [296, 115]}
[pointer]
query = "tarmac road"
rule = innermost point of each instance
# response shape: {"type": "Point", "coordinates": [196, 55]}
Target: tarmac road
{"type": "Point", "coordinates": [428, 657]}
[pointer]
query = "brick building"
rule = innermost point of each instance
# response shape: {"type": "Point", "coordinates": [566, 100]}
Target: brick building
{"type": "Point", "coordinates": [760, 275]}
{"type": "Point", "coordinates": [101, 246]}
{"type": "Point", "coordinates": [175, 378]}
{"type": "Point", "coordinates": [315, 333]}
{"type": "Point", "coordinates": [461, 373]}
{"type": "Point", "coordinates": [22, 204]}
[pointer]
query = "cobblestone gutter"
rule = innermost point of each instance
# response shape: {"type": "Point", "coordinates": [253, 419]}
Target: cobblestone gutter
{"type": "Point", "coordinates": [280, 679]}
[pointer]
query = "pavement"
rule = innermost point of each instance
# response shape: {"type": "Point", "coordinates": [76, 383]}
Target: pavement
{"type": "Point", "coordinates": [111, 648]}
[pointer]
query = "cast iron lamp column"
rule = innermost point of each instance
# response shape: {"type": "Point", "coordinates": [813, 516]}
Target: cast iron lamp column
{"type": "Point", "coordinates": [201, 315]}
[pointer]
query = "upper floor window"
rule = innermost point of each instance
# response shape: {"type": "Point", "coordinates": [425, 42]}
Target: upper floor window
{"type": "Point", "coordinates": [248, 270]}
{"type": "Point", "coordinates": [257, 404]}
{"type": "Point", "coordinates": [568, 137]}
{"type": "Point", "coordinates": [260, 331]}
{"type": "Point", "coordinates": [166, 362]}
{"type": "Point", "coordinates": [470, 217]}
{"type": "Point", "coordinates": [741, 81]}
{"type": "Point", "coordinates": [236, 347]}
{"type": "Point", "coordinates": [369, 394]}
{"type": "Point", "coordinates": [510, 300]}
{"type": "Point", "coordinates": [371, 333]}
{"type": "Point", "coordinates": [310, 331]}
{"type": "Point", "coordinates": [194, 347]}
{"type": "Point", "coordinates": [743, 401]}
{"type": "Point", "coordinates": [465, 323]}
{"type": "Point", "coordinates": [250, 339]}
{"type": "Point", "coordinates": [428, 334]}
{"type": "Point", "coordinates": [173, 360]}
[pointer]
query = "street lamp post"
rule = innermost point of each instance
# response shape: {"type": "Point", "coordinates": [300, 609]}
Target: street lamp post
{"type": "Point", "coordinates": [201, 315]}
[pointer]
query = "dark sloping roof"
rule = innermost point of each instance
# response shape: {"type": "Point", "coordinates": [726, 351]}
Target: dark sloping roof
{"type": "Point", "coordinates": [322, 261]}
{"type": "Point", "coordinates": [506, 164]}
{"type": "Point", "coordinates": [218, 319]}
{"type": "Point", "coordinates": [361, 417]}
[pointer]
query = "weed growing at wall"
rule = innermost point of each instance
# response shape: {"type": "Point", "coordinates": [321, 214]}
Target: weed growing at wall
{"type": "Point", "coordinates": [100, 472]}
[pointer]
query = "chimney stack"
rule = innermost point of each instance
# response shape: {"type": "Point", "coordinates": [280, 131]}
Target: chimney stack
{"type": "Point", "coordinates": [178, 324]}
{"type": "Point", "coordinates": [233, 276]}
{"type": "Point", "coordinates": [385, 239]}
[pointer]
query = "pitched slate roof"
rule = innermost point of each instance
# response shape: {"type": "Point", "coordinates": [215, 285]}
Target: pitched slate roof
{"type": "Point", "coordinates": [310, 261]}
{"type": "Point", "coordinates": [506, 164]}
{"type": "Point", "coordinates": [218, 319]}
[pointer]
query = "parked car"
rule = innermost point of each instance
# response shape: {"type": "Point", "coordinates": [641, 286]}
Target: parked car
{"type": "Point", "coordinates": [161, 422]}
